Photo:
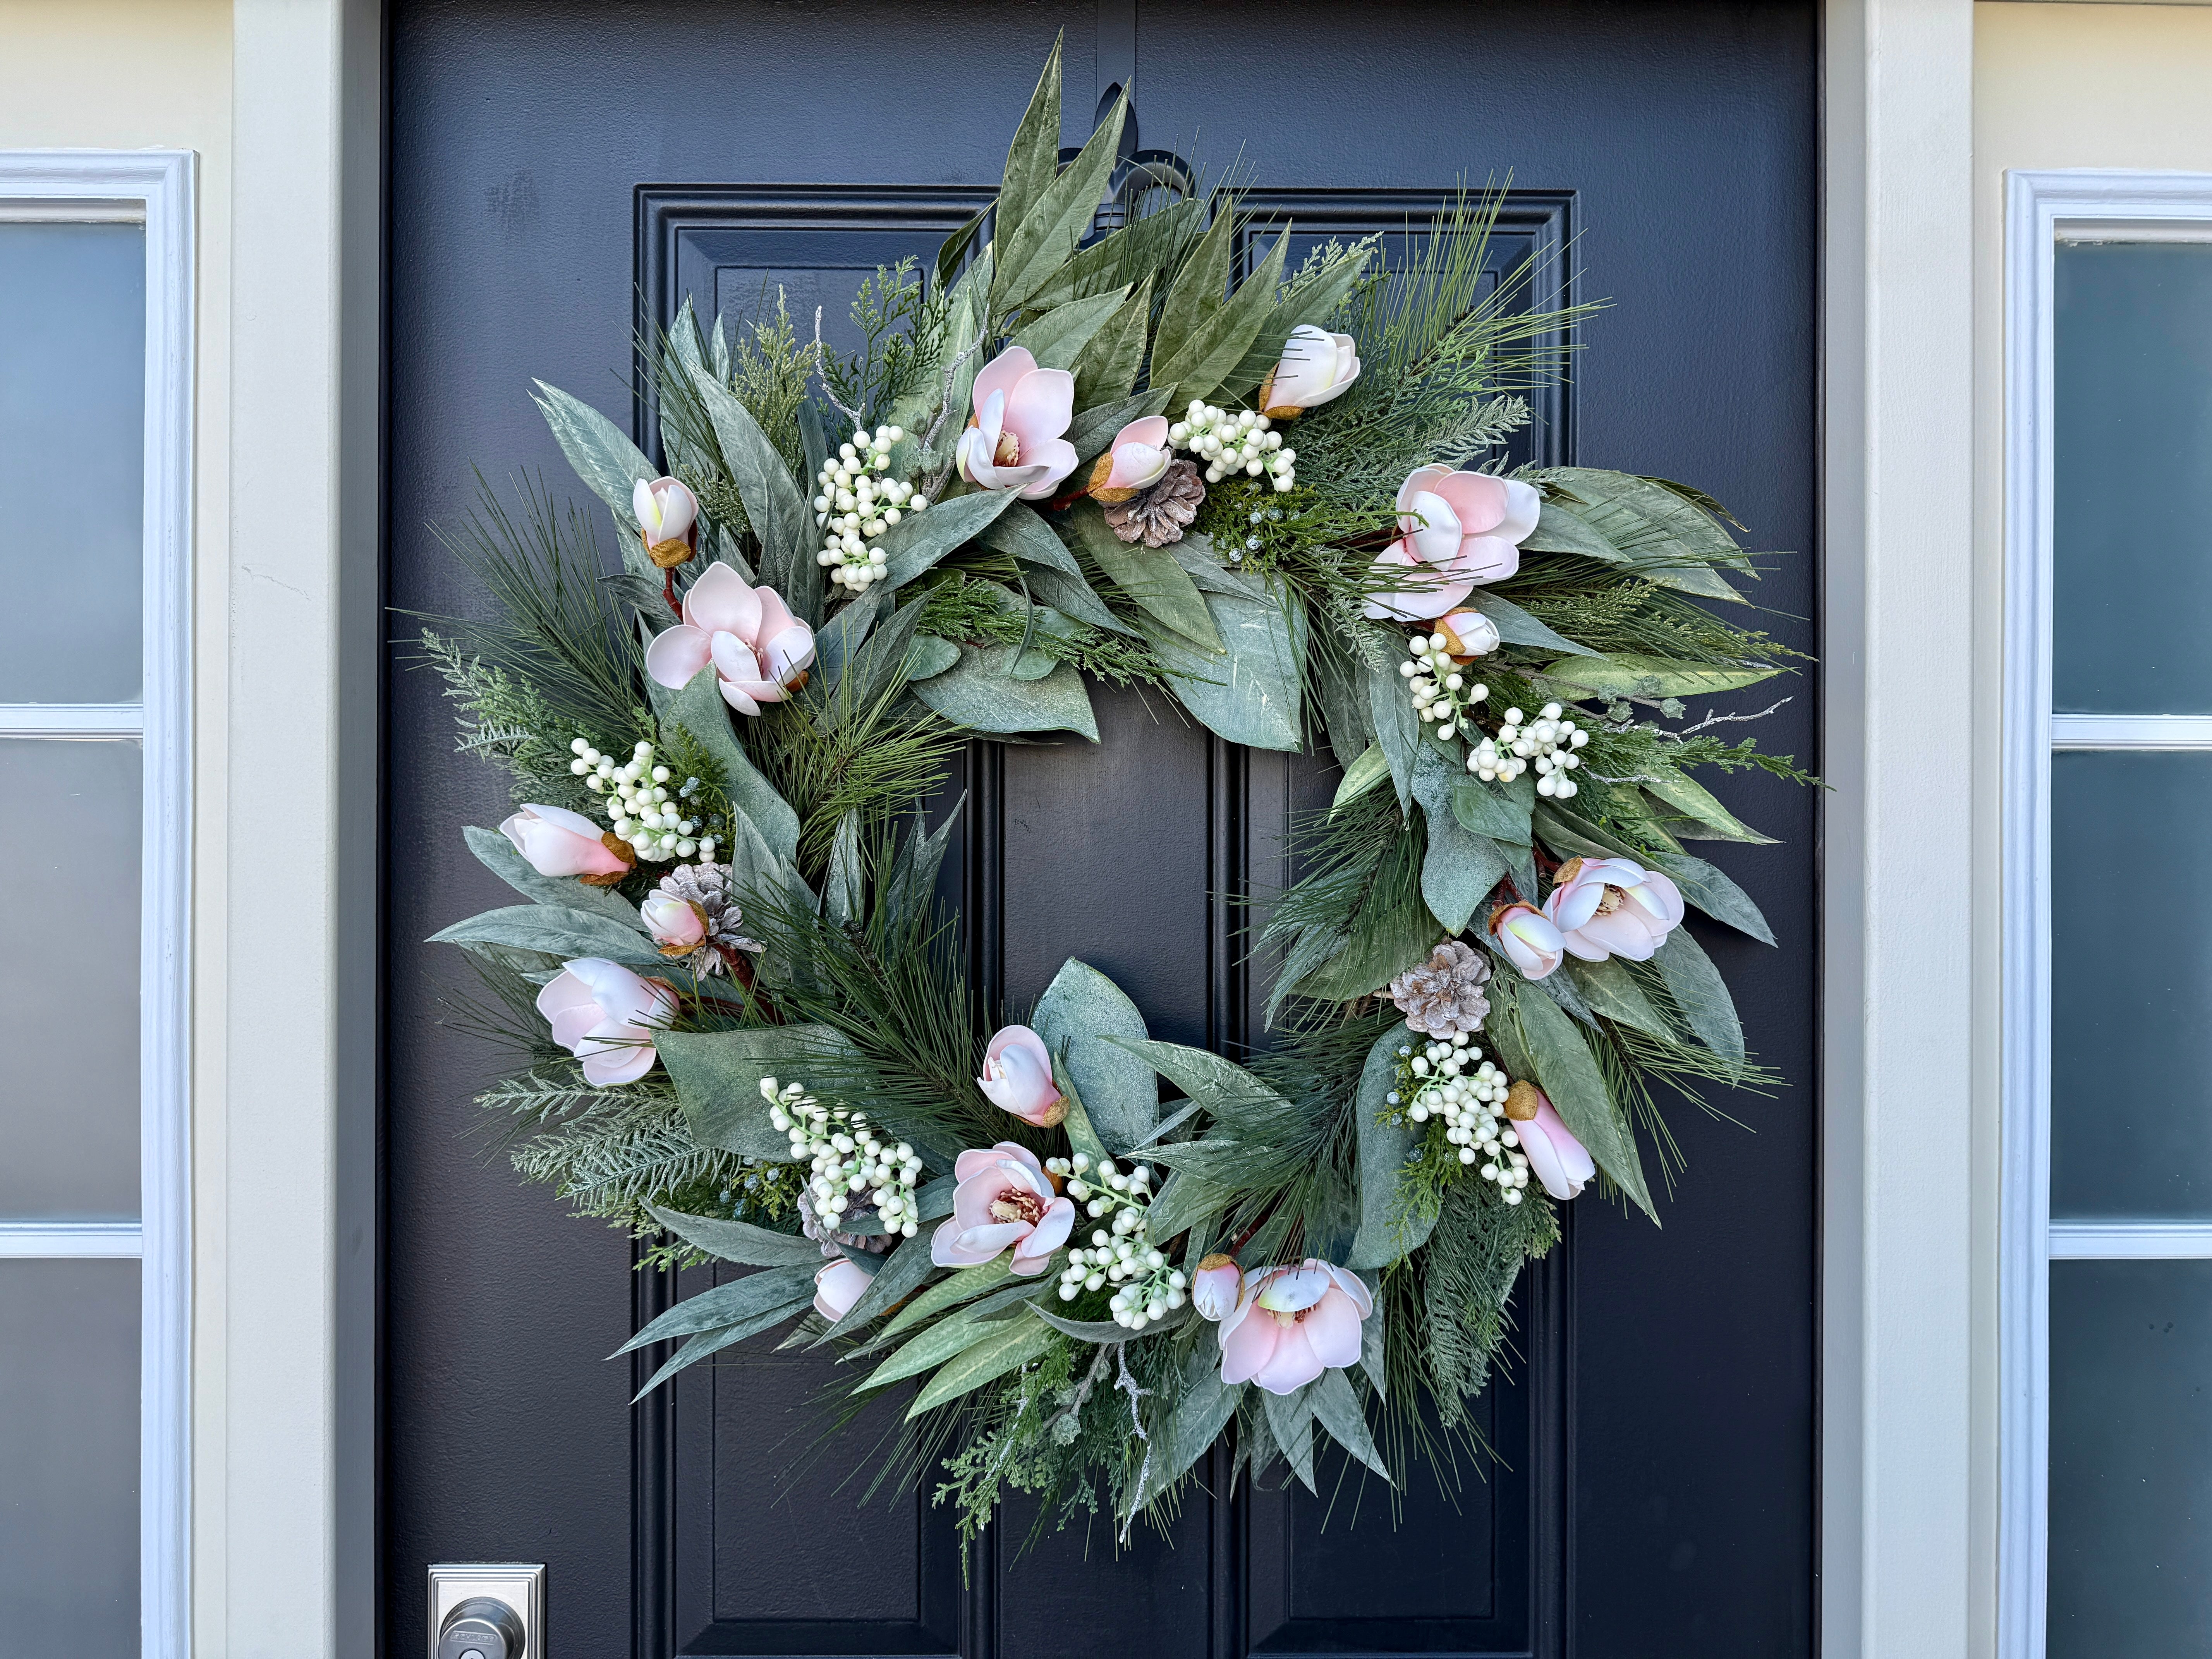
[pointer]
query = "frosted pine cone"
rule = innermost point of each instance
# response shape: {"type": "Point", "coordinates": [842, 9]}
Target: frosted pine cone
{"type": "Point", "coordinates": [1443, 995]}
{"type": "Point", "coordinates": [1160, 515]}
{"type": "Point", "coordinates": [830, 1238]}
{"type": "Point", "coordinates": [704, 890]}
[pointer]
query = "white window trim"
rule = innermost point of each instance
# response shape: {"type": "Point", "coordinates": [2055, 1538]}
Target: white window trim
{"type": "Point", "coordinates": [2041, 209]}
{"type": "Point", "coordinates": [155, 188]}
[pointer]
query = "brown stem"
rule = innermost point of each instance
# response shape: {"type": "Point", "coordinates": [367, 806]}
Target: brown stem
{"type": "Point", "coordinates": [668, 590]}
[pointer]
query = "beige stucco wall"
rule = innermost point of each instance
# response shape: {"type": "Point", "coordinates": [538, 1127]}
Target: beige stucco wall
{"type": "Point", "coordinates": [156, 74]}
{"type": "Point", "coordinates": [2097, 85]}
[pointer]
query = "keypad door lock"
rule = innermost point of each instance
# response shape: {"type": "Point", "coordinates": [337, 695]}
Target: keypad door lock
{"type": "Point", "coordinates": [487, 1610]}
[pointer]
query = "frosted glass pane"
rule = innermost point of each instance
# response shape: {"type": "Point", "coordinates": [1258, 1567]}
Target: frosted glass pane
{"type": "Point", "coordinates": [69, 978]}
{"type": "Point", "coordinates": [69, 1457]}
{"type": "Point", "coordinates": [2130, 987]}
{"type": "Point", "coordinates": [2131, 1460]}
{"type": "Point", "coordinates": [2133, 349]}
{"type": "Point", "coordinates": [72, 445]}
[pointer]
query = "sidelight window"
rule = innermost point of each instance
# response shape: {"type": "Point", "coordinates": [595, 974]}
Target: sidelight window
{"type": "Point", "coordinates": [2108, 1162]}
{"type": "Point", "coordinates": [95, 358]}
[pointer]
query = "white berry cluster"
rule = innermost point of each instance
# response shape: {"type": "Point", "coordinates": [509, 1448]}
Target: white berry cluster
{"type": "Point", "coordinates": [1239, 440]}
{"type": "Point", "coordinates": [658, 825]}
{"type": "Point", "coordinates": [1550, 741]}
{"type": "Point", "coordinates": [1447, 1083]}
{"type": "Point", "coordinates": [1119, 1254]}
{"type": "Point", "coordinates": [857, 503]}
{"type": "Point", "coordinates": [848, 1159]}
{"type": "Point", "coordinates": [1441, 693]}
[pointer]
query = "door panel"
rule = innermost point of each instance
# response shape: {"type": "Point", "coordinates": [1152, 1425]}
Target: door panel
{"type": "Point", "coordinates": [561, 171]}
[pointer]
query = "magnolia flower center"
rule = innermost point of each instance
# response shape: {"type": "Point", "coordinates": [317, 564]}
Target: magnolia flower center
{"type": "Point", "coordinates": [1009, 452]}
{"type": "Point", "coordinates": [1287, 1319]}
{"type": "Point", "coordinates": [1016, 1205]}
{"type": "Point", "coordinates": [1610, 900]}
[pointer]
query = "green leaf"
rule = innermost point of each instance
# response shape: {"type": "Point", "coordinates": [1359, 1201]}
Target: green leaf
{"type": "Point", "coordinates": [1485, 812]}
{"type": "Point", "coordinates": [949, 250]}
{"type": "Point", "coordinates": [1622, 676]}
{"type": "Point", "coordinates": [978, 693]}
{"type": "Point", "coordinates": [1007, 1348]}
{"type": "Point", "coordinates": [1200, 290]}
{"type": "Point", "coordinates": [1461, 866]}
{"type": "Point", "coordinates": [718, 1077]}
{"type": "Point", "coordinates": [1056, 338]}
{"type": "Point", "coordinates": [929, 657]}
{"type": "Point", "coordinates": [557, 931]}
{"type": "Point", "coordinates": [927, 1351]}
{"type": "Point", "coordinates": [1667, 525]}
{"type": "Point", "coordinates": [1250, 694]}
{"type": "Point", "coordinates": [776, 511]}
{"type": "Point", "coordinates": [1194, 553]}
{"type": "Point", "coordinates": [1576, 1088]}
{"type": "Point", "coordinates": [741, 1241]}
{"type": "Point", "coordinates": [1712, 892]}
{"type": "Point", "coordinates": [1034, 155]}
{"type": "Point", "coordinates": [1149, 576]}
{"type": "Point", "coordinates": [1081, 1137]}
{"type": "Point", "coordinates": [1106, 367]}
{"type": "Point", "coordinates": [728, 1304]}
{"type": "Point", "coordinates": [1290, 1419]}
{"type": "Point", "coordinates": [1687, 795]}
{"type": "Point", "coordinates": [1516, 626]}
{"type": "Point", "coordinates": [1559, 529]}
{"type": "Point", "coordinates": [1702, 995]}
{"type": "Point", "coordinates": [1073, 597]}
{"type": "Point", "coordinates": [950, 379]}
{"type": "Point", "coordinates": [498, 855]}
{"type": "Point", "coordinates": [714, 1341]}
{"type": "Point", "coordinates": [1205, 1076]}
{"type": "Point", "coordinates": [1199, 1417]}
{"type": "Point", "coordinates": [1213, 351]}
{"type": "Point", "coordinates": [1362, 776]}
{"type": "Point", "coordinates": [841, 896]}
{"type": "Point", "coordinates": [1101, 1332]}
{"type": "Point", "coordinates": [1019, 531]}
{"type": "Point", "coordinates": [605, 458]}
{"type": "Point", "coordinates": [1608, 989]}
{"type": "Point", "coordinates": [913, 883]}
{"type": "Point", "coordinates": [699, 709]}
{"type": "Point", "coordinates": [1076, 1015]}
{"type": "Point", "coordinates": [1050, 233]}
{"type": "Point", "coordinates": [1337, 1409]}
{"type": "Point", "coordinates": [920, 539]}
{"type": "Point", "coordinates": [1126, 257]}
{"type": "Point", "coordinates": [964, 1285]}
{"type": "Point", "coordinates": [1396, 728]}
{"type": "Point", "coordinates": [1383, 1150]}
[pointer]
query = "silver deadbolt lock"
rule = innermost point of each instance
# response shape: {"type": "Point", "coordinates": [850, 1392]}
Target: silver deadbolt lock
{"type": "Point", "coordinates": [487, 1610]}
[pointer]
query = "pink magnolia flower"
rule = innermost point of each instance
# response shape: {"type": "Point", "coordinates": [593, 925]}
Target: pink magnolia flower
{"type": "Point", "coordinates": [1138, 458]}
{"type": "Point", "coordinates": [1004, 1198]}
{"type": "Point", "coordinates": [1291, 1324]}
{"type": "Point", "coordinates": [1015, 440]}
{"type": "Point", "coordinates": [1614, 907]}
{"type": "Point", "coordinates": [668, 518]}
{"type": "Point", "coordinates": [605, 1016]}
{"type": "Point", "coordinates": [1017, 1078]}
{"type": "Point", "coordinates": [1467, 635]}
{"type": "Point", "coordinates": [1558, 1158]}
{"type": "Point", "coordinates": [1530, 940]}
{"type": "Point", "coordinates": [1455, 528]}
{"type": "Point", "coordinates": [1316, 367]}
{"type": "Point", "coordinates": [678, 925]}
{"type": "Point", "coordinates": [559, 843]}
{"type": "Point", "coordinates": [837, 1286]}
{"type": "Point", "coordinates": [1216, 1286]}
{"type": "Point", "coordinates": [759, 649]}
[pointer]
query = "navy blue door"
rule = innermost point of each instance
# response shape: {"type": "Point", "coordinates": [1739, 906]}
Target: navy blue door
{"type": "Point", "coordinates": [556, 169]}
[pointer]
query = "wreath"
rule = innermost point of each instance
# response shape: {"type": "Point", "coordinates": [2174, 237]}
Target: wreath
{"type": "Point", "coordinates": [746, 1028]}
